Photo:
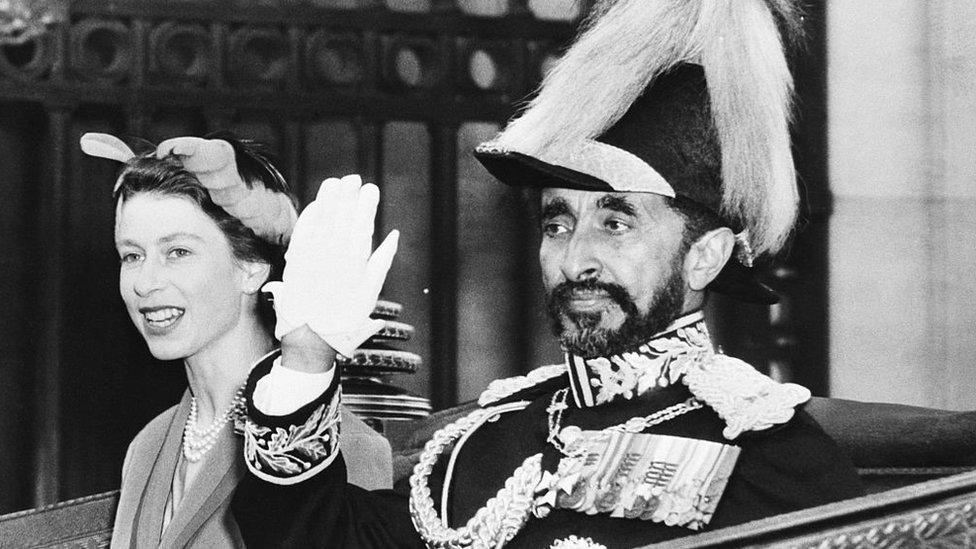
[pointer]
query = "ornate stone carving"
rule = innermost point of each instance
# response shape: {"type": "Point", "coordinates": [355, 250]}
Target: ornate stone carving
{"type": "Point", "coordinates": [258, 55]}
{"type": "Point", "coordinates": [101, 50]}
{"type": "Point", "coordinates": [180, 50]}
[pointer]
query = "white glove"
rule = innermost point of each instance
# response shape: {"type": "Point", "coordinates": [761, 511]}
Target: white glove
{"type": "Point", "coordinates": [331, 280]}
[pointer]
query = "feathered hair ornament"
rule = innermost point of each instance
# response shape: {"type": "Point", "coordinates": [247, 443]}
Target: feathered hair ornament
{"type": "Point", "coordinates": [214, 162]}
{"type": "Point", "coordinates": [623, 50]}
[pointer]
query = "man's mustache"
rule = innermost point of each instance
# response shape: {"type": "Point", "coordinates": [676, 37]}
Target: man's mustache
{"type": "Point", "coordinates": [559, 296]}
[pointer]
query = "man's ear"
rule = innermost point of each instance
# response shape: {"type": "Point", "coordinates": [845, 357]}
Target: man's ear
{"type": "Point", "coordinates": [255, 274]}
{"type": "Point", "coordinates": [707, 256]}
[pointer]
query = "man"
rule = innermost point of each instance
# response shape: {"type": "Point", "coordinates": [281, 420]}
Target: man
{"type": "Point", "coordinates": [660, 146]}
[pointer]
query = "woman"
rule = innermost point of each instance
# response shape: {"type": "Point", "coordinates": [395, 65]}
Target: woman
{"type": "Point", "coordinates": [196, 244]}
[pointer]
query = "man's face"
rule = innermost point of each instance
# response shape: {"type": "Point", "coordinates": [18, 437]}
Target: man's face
{"type": "Point", "coordinates": [612, 266]}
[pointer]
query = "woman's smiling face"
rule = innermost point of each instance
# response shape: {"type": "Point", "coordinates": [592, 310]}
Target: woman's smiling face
{"type": "Point", "coordinates": [179, 279]}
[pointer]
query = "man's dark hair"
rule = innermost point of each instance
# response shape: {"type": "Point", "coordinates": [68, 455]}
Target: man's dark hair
{"type": "Point", "coordinates": [698, 220]}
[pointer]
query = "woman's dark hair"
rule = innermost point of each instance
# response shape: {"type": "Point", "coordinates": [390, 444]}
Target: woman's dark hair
{"type": "Point", "coordinates": [167, 177]}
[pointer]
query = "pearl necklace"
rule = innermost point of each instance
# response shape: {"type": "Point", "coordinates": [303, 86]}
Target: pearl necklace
{"type": "Point", "coordinates": [197, 442]}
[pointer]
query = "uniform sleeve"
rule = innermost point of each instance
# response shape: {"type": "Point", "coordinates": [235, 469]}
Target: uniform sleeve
{"type": "Point", "coordinates": [323, 511]}
{"type": "Point", "coordinates": [296, 494]}
{"type": "Point", "coordinates": [788, 469]}
{"type": "Point", "coordinates": [290, 448]}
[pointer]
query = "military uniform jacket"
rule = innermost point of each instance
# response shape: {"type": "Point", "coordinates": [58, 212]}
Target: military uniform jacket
{"type": "Point", "coordinates": [628, 489]}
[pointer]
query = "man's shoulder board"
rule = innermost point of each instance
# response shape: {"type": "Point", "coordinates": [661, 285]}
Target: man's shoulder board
{"type": "Point", "coordinates": [502, 389]}
{"type": "Point", "coordinates": [745, 398]}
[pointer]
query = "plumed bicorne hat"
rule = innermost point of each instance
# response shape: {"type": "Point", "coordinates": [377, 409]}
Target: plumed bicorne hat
{"type": "Point", "coordinates": [681, 98]}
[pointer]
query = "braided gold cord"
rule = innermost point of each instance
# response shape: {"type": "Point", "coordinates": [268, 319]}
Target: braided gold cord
{"type": "Point", "coordinates": [633, 425]}
{"type": "Point", "coordinates": [504, 515]}
{"type": "Point", "coordinates": [501, 517]}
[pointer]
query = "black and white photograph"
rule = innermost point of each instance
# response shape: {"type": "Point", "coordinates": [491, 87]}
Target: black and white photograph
{"type": "Point", "coordinates": [474, 274]}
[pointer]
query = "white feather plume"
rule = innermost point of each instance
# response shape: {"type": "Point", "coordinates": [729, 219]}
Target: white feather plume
{"type": "Point", "coordinates": [621, 49]}
{"type": "Point", "coordinates": [750, 89]}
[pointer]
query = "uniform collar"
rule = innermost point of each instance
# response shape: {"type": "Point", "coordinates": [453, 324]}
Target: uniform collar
{"type": "Point", "coordinates": [658, 363]}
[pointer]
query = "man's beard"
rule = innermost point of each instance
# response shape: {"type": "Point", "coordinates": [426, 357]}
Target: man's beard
{"type": "Point", "coordinates": [588, 340]}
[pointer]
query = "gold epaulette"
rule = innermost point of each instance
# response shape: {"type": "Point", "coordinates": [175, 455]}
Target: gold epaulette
{"type": "Point", "coordinates": [503, 388]}
{"type": "Point", "coordinates": [741, 395]}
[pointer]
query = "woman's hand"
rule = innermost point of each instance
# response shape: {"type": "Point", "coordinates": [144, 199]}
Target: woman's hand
{"type": "Point", "coordinates": [271, 215]}
{"type": "Point", "coordinates": [212, 161]}
{"type": "Point", "coordinates": [332, 278]}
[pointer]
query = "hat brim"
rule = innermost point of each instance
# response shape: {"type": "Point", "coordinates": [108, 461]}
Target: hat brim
{"type": "Point", "coordinates": [521, 170]}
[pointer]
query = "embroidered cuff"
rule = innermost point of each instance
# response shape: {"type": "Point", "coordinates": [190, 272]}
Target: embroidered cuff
{"type": "Point", "coordinates": [287, 449]}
